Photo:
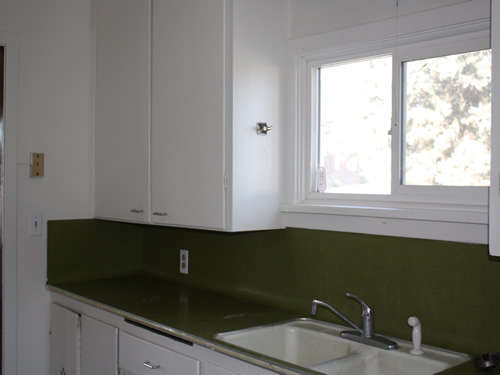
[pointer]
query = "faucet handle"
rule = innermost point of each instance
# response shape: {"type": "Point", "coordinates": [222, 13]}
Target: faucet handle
{"type": "Point", "coordinates": [367, 311]}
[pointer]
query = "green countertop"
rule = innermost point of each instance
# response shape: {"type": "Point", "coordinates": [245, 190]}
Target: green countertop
{"type": "Point", "coordinates": [191, 313]}
{"type": "Point", "coordinates": [186, 312]}
{"type": "Point", "coordinates": [182, 308]}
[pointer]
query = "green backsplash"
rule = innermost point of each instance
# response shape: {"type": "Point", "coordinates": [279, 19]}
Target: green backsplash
{"type": "Point", "coordinates": [92, 250]}
{"type": "Point", "coordinates": [451, 287]}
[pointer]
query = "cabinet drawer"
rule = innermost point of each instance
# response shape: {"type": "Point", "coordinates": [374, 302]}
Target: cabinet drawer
{"type": "Point", "coordinates": [136, 355]}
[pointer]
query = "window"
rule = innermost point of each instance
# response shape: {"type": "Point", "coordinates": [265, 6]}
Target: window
{"type": "Point", "coordinates": [392, 136]}
{"type": "Point", "coordinates": [445, 123]}
{"type": "Point", "coordinates": [447, 120]}
{"type": "Point", "coordinates": [354, 107]}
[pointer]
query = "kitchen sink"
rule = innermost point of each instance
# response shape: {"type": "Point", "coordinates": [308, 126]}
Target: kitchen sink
{"type": "Point", "coordinates": [301, 342]}
{"type": "Point", "coordinates": [317, 345]}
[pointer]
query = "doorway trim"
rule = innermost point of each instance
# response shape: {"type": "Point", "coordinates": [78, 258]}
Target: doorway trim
{"type": "Point", "coordinates": [9, 215]}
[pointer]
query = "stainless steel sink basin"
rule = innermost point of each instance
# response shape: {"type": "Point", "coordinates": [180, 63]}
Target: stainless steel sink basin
{"type": "Point", "coordinates": [317, 345]}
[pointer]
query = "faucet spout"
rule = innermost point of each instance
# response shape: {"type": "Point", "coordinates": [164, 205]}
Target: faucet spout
{"type": "Point", "coordinates": [317, 303]}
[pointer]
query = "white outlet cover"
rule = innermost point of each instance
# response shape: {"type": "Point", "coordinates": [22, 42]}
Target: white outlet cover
{"type": "Point", "coordinates": [184, 261]}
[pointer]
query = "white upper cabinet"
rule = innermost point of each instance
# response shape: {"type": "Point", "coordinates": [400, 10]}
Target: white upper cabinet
{"type": "Point", "coordinates": [217, 70]}
{"type": "Point", "coordinates": [122, 110]}
{"type": "Point", "coordinates": [257, 72]}
{"type": "Point", "coordinates": [188, 93]}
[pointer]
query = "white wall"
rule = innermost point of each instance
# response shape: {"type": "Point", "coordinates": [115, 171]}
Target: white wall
{"type": "Point", "coordinates": [313, 17]}
{"type": "Point", "coordinates": [55, 116]}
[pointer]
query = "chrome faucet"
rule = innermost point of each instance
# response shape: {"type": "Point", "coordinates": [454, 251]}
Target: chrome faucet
{"type": "Point", "coordinates": [365, 334]}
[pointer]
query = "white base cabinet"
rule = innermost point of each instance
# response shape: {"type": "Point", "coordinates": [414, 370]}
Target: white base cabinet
{"type": "Point", "coordinates": [98, 347]}
{"type": "Point", "coordinates": [90, 341]}
{"type": "Point", "coordinates": [80, 345]}
{"type": "Point", "coordinates": [64, 341]}
{"type": "Point", "coordinates": [139, 357]}
{"type": "Point", "coordinates": [181, 86]}
{"type": "Point", "coordinates": [210, 369]}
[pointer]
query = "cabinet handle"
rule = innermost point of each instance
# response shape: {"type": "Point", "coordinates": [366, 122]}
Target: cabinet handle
{"type": "Point", "coordinates": [263, 128]}
{"type": "Point", "coordinates": [149, 365]}
{"type": "Point", "coordinates": [160, 213]}
{"type": "Point", "coordinates": [137, 211]}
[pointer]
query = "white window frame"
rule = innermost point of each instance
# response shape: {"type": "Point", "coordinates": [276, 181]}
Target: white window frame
{"type": "Point", "coordinates": [443, 213]}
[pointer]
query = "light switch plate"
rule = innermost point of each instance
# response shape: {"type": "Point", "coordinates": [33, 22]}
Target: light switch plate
{"type": "Point", "coordinates": [35, 226]}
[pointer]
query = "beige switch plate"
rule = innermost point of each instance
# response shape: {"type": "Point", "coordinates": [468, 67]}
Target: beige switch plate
{"type": "Point", "coordinates": [37, 164]}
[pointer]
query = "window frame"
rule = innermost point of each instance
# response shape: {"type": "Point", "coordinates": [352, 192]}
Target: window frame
{"type": "Point", "coordinates": [430, 208]}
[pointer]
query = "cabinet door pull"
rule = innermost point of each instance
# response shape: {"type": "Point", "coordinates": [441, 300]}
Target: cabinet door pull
{"type": "Point", "coordinates": [148, 364]}
{"type": "Point", "coordinates": [160, 213]}
{"type": "Point", "coordinates": [263, 128]}
{"type": "Point", "coordinates": [137, 211]}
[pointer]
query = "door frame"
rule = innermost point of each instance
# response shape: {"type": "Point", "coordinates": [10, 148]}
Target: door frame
{"type": "Point", "coordinates": [9, 215]}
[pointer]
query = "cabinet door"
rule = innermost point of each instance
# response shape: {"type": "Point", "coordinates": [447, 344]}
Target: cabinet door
{"type": "Point", "coordinates": [64, 341]}
{"type": "Point", "coordinates": [258, 50]}
{"type": "Point", "coordinates": [122, 109]}
{"type": "Point", "coordinates": [188, 104]}
{"type": "Point", "coordinates": [99, 346]}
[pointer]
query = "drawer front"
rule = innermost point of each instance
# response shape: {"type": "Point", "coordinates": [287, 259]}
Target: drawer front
{"type": "Point", "coordinates": [144, 358]}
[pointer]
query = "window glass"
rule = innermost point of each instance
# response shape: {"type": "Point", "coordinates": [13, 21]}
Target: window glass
{"type": "Point", "coordinates": [354, 117]}
{"type": "Point", "coordinates": [447, 116]}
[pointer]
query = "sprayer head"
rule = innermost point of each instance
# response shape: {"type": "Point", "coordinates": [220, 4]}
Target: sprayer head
{"type": "Point", "coordinates": [413, 321]}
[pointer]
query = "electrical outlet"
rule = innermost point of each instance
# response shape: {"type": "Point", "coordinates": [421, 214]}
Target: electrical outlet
{"type": "Point", "coordinates": [184, 261]}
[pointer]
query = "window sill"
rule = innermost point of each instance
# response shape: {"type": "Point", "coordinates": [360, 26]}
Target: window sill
{"type": "Point", "coordinates": [447, 224]}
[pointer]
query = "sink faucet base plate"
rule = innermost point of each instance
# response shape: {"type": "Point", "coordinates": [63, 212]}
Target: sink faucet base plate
{"type": "Point", "coordinates": [377, 341]}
